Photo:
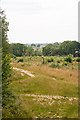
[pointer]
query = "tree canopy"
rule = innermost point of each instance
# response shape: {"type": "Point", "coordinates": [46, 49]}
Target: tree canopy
{"type": "Point", "coordinates": [6, 68]}
{"type": "Point", "coordinates": [64, 48]}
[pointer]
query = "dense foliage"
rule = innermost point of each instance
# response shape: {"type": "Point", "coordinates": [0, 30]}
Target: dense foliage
{"type": "Point", "coordinates": [7, 95]}
{"type": "Point", "coordinates": [69, 47]}
{"type": "Point", "coordinates": [6, 69]}
{"type": "Point", "coordinates": [64, 48]}
{"type": "Point", "coordinates": [51, 49]}
{"type": "Point", "coordinates": [19, 50]}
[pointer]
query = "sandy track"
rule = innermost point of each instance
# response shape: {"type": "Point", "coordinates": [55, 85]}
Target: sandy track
{"type": "Point", "coordinates": [50, 96]}
{"type": "Point", "coordinates": [24, 71]}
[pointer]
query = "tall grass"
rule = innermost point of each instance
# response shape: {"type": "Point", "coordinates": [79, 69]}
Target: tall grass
{"type": "Point", "coordinates": [47, 81]}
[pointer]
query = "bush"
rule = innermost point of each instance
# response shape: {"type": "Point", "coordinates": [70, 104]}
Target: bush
{"type": "Point", "coordinates": [50, 60]}
{"type": "Point", "coordinates": [20, 60]}
{"type": "Point", "coordinates": [65, 64]}
{"type": "Point", "coordinates": [58, 61]}
{"type": "Point", "coordinates": [78, 59]}
{"type": "Point", "coordinates": [68, 59]}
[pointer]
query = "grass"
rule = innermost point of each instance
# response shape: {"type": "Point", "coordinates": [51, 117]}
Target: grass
{"type": "Point", "coordinates": [52, 109]}
{"type": "Point", "coordinates": [61, 81]}
{"type": "Point", "coordinates": [44, 85]}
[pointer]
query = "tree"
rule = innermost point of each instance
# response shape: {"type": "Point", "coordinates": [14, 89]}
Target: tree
{"type": "Point", "coordinates": [29, 51]}
{"type": "Point", "coordinates": [64, 48]}
{"type": "Point", "coordinates": [18, 49]}
{"type": "Point", "coordinates": [47, 50]}
{"type": "Point", "coordinates": [69, 47]}
{"type": "Point", "coordinates": [51, 49]}
{"type": "Point", "coordinates": [6, 69]}
{"type": "Point", "coordinates": [5, 52]}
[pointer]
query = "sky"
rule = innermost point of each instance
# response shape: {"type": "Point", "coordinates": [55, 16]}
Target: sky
{"type": "Point", "coordinates": [41, 21]}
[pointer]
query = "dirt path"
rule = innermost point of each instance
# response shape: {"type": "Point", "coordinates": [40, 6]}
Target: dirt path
{"type": "Point", "coordinates": [24, 71]}
{"type": "Point", "coordinates": [50, 96]}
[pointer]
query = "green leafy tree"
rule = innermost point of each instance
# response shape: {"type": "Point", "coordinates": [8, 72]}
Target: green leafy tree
{"type": "Point", "coordinates": [69, 47]}
{"type": "Point", "coordinates": [29, 51]}
{"type": "Point", "coordinates": [64, 48]}
{"type": "Point", "coordinates": [11, 107]}
{"type": "Point", "coordinates": [5, 53]}
{"type": "Point", "coordinates": [18, 49]}
{"type": "Point", "coordinates": [6, 68]}
{"type": "Point", "coordinates": [47, 50]}
{"type": "Point", "coordinates": [51, 49]}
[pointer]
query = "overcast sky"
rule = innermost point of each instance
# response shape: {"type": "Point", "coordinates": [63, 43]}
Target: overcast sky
{"type": "Point", "coordinates": [41, 21]}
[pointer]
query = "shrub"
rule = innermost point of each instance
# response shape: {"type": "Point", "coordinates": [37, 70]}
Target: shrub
{"type": "Point", "coordinates": [50, 60]}
{"type": "Point", "coordinates": [68, 59]}
{"type": "Point", "coordinates": [65, 64]}
{"type": "Point", "coordinates": [55, 65]}
{"type": "Point", "coordinates": [58, 61]}
{"type": "Point", "coordinates": [20, 60]}
{"type": "Point", "coordinates": [78, 59]}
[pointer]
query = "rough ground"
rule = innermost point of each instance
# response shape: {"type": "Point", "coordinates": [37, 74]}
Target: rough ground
{"type": "Point", "coordinates": [24, 71]}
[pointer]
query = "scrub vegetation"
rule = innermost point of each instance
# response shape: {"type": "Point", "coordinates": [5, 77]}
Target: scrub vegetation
{"type": "Point", "coordinates": [39, 81]}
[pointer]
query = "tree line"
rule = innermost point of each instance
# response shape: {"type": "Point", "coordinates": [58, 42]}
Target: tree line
{"type": "Point", "coordinates": [64, 48]}
{"type": "Point", "coordinates": [19, 49]}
